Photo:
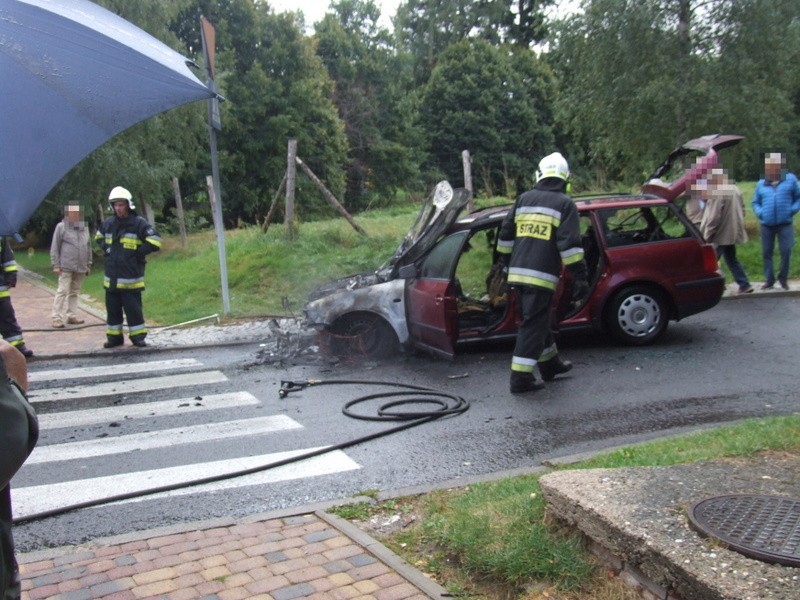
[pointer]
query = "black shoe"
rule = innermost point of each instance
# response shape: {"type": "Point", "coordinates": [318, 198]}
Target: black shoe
{"type": "Point", "coordinates": [524, 382]}
{"type": "Point", "coordinates": [768, 286]}
{"type": "Point", "coordinates": [784, 285]}
{"type": "Point", "coordinates": [113, 343]}
{"type": "Point", "coordinates": [139, 343]}
{"type": "Point", "coordinates": [555, 366]}
{"type": "Point", "coordinates": [26, 352]}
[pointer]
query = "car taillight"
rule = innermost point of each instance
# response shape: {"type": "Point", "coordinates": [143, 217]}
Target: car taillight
{"type": "Point", "coordinates": [709, 259]}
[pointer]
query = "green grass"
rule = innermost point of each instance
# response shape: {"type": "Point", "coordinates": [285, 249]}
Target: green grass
{"type": "Point", "coordinates": [493, 535]}
{"type": "Point", "coordinates": [269, 275]}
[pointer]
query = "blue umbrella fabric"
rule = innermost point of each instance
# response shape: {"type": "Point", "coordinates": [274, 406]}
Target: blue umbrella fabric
{"type": "Point", "coordinates": [73, 75]}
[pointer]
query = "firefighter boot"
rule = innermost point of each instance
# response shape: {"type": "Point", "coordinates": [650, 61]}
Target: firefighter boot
{"type": "Point", "coordinates": [524, 382]}
{"type": "Point", "coordinates": [555, 366]}
{"type": "Point", "coordinates": [26, 352]}
{"type": "Point", "coordinates": [112, 341]}
{"type": "Point", "coordinates": [138, 341]}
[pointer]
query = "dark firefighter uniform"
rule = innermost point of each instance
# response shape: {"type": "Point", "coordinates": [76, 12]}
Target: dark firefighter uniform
{"type": "Point", "coordinates": [540, 233]}
{"type": "Point", "coordinates": [125, 243]}
{"type": "Point", "coordinates": [9, 328]}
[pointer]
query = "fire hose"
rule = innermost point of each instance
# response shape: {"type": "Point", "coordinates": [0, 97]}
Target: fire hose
{"type": "Point", "coordinates": [442, 404]}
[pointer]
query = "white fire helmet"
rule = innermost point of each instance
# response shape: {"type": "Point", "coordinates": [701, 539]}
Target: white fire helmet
{"type": "Point", "coordinates": [120, 193]}
{"type": "Point", "coordinates": [553, 165]}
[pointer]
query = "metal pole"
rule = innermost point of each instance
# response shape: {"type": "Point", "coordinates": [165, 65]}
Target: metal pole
{"type": "Point", "coordinates": [208, 37]}
{"type": "Point", "coordinates": [218, 227]}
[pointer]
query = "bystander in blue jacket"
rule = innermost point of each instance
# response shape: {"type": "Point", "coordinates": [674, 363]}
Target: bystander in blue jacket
{"type": "Point", "coordinates": [775, 202]}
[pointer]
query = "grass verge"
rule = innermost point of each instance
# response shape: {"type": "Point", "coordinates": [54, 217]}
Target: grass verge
{"type": "Point", "coordinates": [489, 540]}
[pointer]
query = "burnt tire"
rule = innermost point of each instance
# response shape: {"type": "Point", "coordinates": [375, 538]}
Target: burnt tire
{"type": "Point", "coordinates": [637, 315]}
{"type": "Point", "coordinates": [363, 334]}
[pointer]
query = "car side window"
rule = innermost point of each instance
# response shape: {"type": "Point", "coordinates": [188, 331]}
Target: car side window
{"type": "Point", "coordinates": [641, 224]}
{"type": "Point", "coordinates": [441, 260]}
{"type": "Point", "coordinates": [475, 263]}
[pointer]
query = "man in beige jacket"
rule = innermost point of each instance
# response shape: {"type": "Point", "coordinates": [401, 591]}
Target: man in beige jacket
{"type": "Point", "coordinates": [723, 224]}
{"type": "Point", "coordinates": [71, 256]}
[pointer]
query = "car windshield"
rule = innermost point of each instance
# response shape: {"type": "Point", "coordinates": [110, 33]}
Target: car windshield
{"type": "Point", "coordinates": [440, 210]}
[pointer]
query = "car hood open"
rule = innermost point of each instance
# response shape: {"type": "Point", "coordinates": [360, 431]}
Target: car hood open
{"type": "Point", "coordinates": [441, 209]}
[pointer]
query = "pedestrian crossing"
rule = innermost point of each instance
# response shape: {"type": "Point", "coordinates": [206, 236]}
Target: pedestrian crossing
{"type": "Point", "coordinates": [160, 443]}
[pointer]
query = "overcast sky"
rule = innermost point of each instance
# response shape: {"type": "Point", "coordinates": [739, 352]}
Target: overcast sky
{"type": "Point", "coordinates": [314, 10]}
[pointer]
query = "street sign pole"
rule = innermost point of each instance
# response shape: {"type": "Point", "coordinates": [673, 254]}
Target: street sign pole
{"type": "Point", "coordinates": [214, 124]}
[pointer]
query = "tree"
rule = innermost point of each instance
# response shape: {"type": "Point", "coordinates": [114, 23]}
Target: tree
{"type": "Point", "coordinates": [276, 89]}
{"type": "Point", "coordinates": [639, 78]}
{"type": "Point", "coordinates": [372, 85]}
{"type": "Point", "coordinates": [424, 28]}
{"type": "Point", "coordinates": [494, 103]}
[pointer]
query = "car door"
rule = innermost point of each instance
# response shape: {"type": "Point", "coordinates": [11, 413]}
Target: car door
{"type": "Point", "coordinates": [432, 299]}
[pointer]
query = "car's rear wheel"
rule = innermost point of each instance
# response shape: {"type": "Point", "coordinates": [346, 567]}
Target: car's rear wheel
{"type": "Point", "coordinates": [637, 315]}
{"type": "Point", "coordinates": [363, 334]}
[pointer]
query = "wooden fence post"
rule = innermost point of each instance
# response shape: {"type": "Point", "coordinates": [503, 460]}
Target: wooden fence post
{"type": "Point", "coordinates": [329, 196]}
{"type": "Point", "coordinates": [291, 175]}
{"type": "Point", "coordinates": [176, 191]}
{"type": "Point", "coordinates": [274, 206]}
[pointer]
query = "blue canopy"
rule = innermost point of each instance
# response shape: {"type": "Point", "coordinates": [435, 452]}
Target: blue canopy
{"type": "Point", "coordinates": [73, 76]}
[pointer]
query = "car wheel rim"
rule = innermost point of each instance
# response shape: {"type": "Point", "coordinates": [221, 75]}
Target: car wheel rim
{"type": "Point", "coordinates": [639, 315]}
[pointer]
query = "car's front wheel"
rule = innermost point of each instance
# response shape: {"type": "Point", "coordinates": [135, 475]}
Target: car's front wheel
{"type": "Point", "coordinates": [363, 334]}
{"type": "Point", "coordinates": [637, 315]}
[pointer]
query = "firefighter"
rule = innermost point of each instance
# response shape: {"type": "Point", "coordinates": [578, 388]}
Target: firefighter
{"type": "Point", "coordinates": [9, 328]}
{"type": "Point", "coordinates": [125, 238]}
{"type": "Point", "coordinates": [540, 233]}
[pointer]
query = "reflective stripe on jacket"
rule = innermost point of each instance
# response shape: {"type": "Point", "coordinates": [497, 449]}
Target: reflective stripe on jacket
{"type": "Point", "coordinates": [125, 243]}
{"type": "Point", "coordinates": [541, 232]}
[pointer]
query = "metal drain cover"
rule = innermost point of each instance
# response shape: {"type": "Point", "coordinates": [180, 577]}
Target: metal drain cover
{"type": "Point", "coordinates": [763, 527]}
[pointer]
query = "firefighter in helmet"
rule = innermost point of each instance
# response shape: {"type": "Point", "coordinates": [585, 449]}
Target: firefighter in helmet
{"type": "Point", "coordinates": [541, 232]}
{"type": "Point", "coordinates": [125, 239]}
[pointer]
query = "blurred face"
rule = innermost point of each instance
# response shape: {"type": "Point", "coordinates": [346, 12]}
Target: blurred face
{"type": "Point", "coordinates": [772, 169]}
{"type": "Point", "coordinates": [72, 213]}
{"type": "Point", "coordinates": [120, 208]}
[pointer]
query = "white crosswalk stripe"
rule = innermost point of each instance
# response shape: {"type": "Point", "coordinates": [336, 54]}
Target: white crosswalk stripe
{"type": "Point", "coordinates": [127, 387]}
{"type": "Point", "coordinates": [162, 408]}
{"type": "Point", "coordinates": [109, 370]}
{"type": "Point", "coordinates": [165, 438]}
{"type": "Point", "coordinates": [36, 499]}
{"type": "Point", "coordinates": [246, 436]}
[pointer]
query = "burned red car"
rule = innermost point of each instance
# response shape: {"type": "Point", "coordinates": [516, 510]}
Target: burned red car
{"type": "Point", "coordinates": [444, 287]}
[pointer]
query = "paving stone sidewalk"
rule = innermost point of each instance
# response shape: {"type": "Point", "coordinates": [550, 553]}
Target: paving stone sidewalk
{"type": "Point", "coordinates": [280, 558]}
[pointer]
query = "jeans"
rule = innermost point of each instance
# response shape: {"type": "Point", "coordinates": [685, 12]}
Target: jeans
{"type": "Point", "coordinates": [785, 235]}
{"type": "Point", "coordinates": [735, 267]}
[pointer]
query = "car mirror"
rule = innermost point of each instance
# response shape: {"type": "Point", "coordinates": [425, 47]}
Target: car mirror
{"type": "Point", "coordinates": [407, 271]}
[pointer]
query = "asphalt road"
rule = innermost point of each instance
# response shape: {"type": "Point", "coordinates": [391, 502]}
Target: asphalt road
{"type": "Point", "coordinates": [737, 360]}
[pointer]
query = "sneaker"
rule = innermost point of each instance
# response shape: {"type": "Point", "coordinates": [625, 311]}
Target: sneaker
{"type": "Point", "coordinates": [747, 290]}
{"type": "Point", "coordinates": [784, 285]}
{"type": "Point", "coordinates": [113, 343]}
{"type": "Point", "coordinates": [58, 324]}
{"type": "Point", "coordinates": [75, 321]}
{"type": "Point", "coordinates": [768, 286]}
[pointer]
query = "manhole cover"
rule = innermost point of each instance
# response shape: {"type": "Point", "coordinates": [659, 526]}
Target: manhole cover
{"type": "Point", "coordinates": [762, 527]}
